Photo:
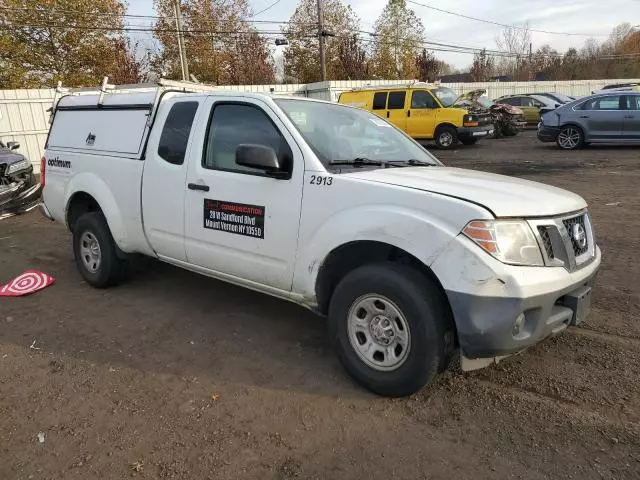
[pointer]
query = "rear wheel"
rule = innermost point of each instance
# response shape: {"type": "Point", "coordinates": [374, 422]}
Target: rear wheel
{"type": "Point", "coordinates": [570, 138]}
{"type": "Point", "coordinates": [446, 137]}
{"type": "Point", "coordinates": [388, 323]}
{"type": "Point", "coordinates": [95, 251]}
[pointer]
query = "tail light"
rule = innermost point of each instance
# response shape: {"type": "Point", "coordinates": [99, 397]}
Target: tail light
{"type": "Point", "coordinates": [43, 164]}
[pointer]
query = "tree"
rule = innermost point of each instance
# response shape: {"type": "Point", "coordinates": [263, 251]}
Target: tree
{"type": "Point", "coordinates": [482, 67]}
{"type": "Point", "coordinates": [515, 41]}
{"type": "Point", "coordinates": [428, 66]}
{"type": "Point", "coordinates": [302, 58]}
{"type": "Point", "coordinates": [73, 41]}
{"type": "Point", "coordinates": [251, 63]}
{"type": "Point", "coordinates": [399, 33]}
{"type": "Point", "coordinates": [218, 41]}
{"type": "Point", "coordinates": [352, 59]}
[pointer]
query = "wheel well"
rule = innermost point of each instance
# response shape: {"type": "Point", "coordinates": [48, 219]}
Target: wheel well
{"type": "Point", "coordinates": [442, 125]}
{"type": "Point", "coordinates": [352, 255]}
{"type": "Point", "coordinates": [79, 204]}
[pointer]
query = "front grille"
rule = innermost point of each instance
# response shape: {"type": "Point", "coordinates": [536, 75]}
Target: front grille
{"type": "Point", "coordinates": [573, 226]}
{"type": "Point", "coordinates": [546, 241]}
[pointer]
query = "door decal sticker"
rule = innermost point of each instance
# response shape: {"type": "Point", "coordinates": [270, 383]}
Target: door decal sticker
{"type": "Point", "coordinates": [238, 218]}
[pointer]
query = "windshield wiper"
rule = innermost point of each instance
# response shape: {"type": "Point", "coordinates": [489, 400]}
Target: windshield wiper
{"type": "Point", "coordinates": [357, 162]}
{"type": "Point", "coordinates": [362, 161]}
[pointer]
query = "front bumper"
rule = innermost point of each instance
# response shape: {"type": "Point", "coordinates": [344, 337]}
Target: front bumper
{"type": "Point", "coordinates": [475, 132]}
{"type": "Point", "coordinates": [487, 297]}
{"type": "Point", "coordinates": [547, 134]}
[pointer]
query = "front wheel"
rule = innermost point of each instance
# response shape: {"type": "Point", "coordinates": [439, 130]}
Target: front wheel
{"type": "Point", "coordinates": [388, 323]}
{"type": "Point", "coordinates": [570, 138]}
{"type": "Point", "coordinates": [95, 251]}
{"type": "Point", "coordinates": [446, 137]}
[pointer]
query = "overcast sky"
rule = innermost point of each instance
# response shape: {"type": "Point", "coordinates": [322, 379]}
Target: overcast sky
{"type": "Point", "coordinates": [589, 17]}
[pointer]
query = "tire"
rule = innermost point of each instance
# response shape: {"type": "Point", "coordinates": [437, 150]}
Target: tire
{"type": "Point", "coordinates": [91, 229]}
{"type": "Point", "coordinates": [423, 314]}
{"type": "Point", "coordinates": [446, 137]}
{"type": "Point", "coordinates": [570, 138]}
{"type": "Point", "coordinates": [509, 130]}
{"type": "Point", "coordinates": [469, 141]}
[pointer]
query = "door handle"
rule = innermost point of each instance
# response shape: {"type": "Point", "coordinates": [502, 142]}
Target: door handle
{"type": "Point", "coordinates": [584, 116]}
{"type": "Point", "coordinates": [408, 113]}
{"type": "Point", "coordinates": [387, 113]}
{"type": "Point", "coordinates": [198, 186]}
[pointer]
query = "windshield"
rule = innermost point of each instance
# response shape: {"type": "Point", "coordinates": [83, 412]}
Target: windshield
{"type": "Point", "coordinates": [446, 96]}
{"type": "Point", "coordinates": [339, 133]}
{"type": "Point", "coordinates": [485, 102]}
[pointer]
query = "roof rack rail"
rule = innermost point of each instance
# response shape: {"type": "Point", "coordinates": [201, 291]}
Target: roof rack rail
{"type": "Point", "coordinates": [407, 84]}
{"type": "Point", "coordinates": [110, 89]}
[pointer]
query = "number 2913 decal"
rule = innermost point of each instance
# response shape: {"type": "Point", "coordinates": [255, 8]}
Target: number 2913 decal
{"type": "Point", "coordinates": [321, 180]}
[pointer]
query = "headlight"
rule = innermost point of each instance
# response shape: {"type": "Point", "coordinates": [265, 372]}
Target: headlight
{"type": "Point", "coordinates": [16, 167]}
{"type": "Point", "coordinates": [510, 241]}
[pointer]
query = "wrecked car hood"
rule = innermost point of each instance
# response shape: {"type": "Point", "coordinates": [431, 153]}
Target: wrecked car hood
{"type": "Point", "coordinates": [504, 196]}
{"type": "Point", "coordinates": [471, 96]}
{"type": "Point", "coordinates": [8, 157]}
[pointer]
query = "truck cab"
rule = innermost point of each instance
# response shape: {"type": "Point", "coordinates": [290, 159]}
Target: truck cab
{"type": "Point", "coordinates": [327, 206]}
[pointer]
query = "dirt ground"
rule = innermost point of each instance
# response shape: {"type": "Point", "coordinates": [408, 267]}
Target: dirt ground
{"type": "Point", "coordinates": [182, 377]}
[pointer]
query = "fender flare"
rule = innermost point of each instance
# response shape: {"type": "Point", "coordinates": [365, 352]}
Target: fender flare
{"type": "Point", "coordinates": [94, 186]}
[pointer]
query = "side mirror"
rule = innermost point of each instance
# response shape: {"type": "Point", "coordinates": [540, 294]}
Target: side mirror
{"type": "Point", "coordinates": [260, 157]}
{"type": "Point", "coordinates": [13, 145]}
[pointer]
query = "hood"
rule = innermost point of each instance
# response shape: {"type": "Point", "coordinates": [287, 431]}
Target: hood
{"type": "Point", "coordinates": [506, 108]}
{"type": "Point", "coordinates": [471, 96]}
{"type": "Point", "coordinates": [504, 196]}
{"type": "Point", "coordinates": [7, 157]}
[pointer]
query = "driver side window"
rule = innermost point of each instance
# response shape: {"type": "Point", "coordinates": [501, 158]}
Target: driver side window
{"type": "Point", "coordinates": [235, 124]}
{"type": "Point", "coordinates": [422, 99]}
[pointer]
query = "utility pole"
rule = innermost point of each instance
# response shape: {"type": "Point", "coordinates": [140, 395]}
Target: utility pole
{"type": "Point", "coordinates": [321, 38]}
{"type": "Point", "coordinates": [181, 48]}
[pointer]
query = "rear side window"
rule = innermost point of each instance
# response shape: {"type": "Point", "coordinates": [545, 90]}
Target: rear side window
{"type": "Point", "coordinates": [380, 100]}
{"type": "Point", "coordinates": [603, 103]}
{"type": "Point", "coordinates": [422, 99]}
{"type": "Point", "coordinates": [175, 133]}
{"type": "Point", "coordinates": [396, 100]}
{"type": "Point", "coordinates": [634, 102]}
{"type": "Point", "coordinates": [515, 101]}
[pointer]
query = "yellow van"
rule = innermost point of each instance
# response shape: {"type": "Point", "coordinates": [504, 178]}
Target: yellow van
{"type": "Point", "coordinates": [424, 112]}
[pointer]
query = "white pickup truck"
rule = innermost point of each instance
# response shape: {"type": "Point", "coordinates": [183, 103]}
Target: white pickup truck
{"type": "Point", "coordinates": [327, 206]}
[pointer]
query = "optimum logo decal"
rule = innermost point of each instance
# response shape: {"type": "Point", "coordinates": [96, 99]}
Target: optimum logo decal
{"type": "Point", "coordinates": [56, 162]}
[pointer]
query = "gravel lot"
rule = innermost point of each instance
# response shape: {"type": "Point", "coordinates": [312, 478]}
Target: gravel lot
{"type": "Point", "coordinates": [179, 376]}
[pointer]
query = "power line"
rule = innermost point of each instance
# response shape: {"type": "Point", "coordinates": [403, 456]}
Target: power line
{"type": "Point", "coordinates": [491, 22]}
{"type": "Point", "coordinates": [265, 9]}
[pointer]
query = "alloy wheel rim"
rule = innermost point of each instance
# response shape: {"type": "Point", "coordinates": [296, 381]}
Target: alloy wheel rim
{"type": "Point", "coordinates": [446, 139]}
{"type": "Point", "coordinates": [569, 138]}
{"type": "Point", "coordinates": [379, 332]}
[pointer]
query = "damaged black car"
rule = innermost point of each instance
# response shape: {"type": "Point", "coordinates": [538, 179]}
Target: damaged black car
{"type": "Point", "coordinates": [19, 189]}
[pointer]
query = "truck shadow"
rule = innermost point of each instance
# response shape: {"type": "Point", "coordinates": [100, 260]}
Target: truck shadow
{"type": "Point", "coordinates": [171, 321]}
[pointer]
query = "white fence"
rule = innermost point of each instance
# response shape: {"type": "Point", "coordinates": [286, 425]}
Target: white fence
{"type": "Point", "coordinates": [24, 117]}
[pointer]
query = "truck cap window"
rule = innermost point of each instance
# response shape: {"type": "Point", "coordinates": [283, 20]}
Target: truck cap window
{"type": "Point", "coordinates": [175, 133]}
{"type": "Point", "coordinates": [234, 124]}
{"type": "Point", "coordinates": [340, 133]}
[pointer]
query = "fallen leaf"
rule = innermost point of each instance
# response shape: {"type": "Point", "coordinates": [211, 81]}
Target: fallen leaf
{"type": "Point", "coordinates": [137, 466]}
{"type": "Point", "coordinates": [215, 396]}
